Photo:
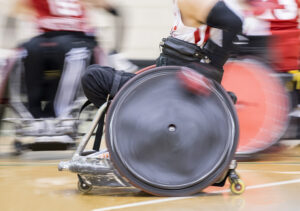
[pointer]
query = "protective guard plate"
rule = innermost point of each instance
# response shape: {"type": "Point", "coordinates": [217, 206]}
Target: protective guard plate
{"type": "Point", "coordinates": [166, 140]}
{"type": "Point", "coordinates": [262, 104]}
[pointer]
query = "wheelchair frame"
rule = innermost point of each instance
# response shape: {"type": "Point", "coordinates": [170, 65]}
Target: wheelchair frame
{"type": "Point", "coordinates": [57, 133]}
{"type": "Point", "coordinates": [93, 170]}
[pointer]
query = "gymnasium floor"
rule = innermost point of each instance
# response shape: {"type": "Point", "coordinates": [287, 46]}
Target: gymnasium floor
{"type": "Point", "coordinates": [32, 182]}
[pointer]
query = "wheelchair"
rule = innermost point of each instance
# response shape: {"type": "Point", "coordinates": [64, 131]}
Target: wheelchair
{"type": "Point", "coordinates": [263, 104]}
{"type": "Point", "coordinates": [51, 133]}
{"type": "Point", "coordinates": [263, 101]}
{"type": "Point", "coordinates": [163, 136]}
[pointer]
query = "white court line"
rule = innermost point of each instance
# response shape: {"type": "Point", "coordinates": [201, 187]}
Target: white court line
{"type": "Point", "coordinates": [189, 197]}
{"type": "Point", "coordinates": [275, 172]}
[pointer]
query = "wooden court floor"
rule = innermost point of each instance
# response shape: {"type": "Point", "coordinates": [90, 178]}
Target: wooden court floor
{"type": "Point", "coordinates": [32, 182]}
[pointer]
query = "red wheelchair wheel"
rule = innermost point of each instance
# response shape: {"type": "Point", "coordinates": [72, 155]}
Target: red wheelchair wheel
{"type": "Point", "coordinates": [262, 104]}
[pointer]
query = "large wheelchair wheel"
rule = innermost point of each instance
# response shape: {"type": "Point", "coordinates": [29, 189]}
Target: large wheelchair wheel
{"type": "Point", "coordinates": [262, 104]}
{"type": "Point", "coordinates": [166, 140]}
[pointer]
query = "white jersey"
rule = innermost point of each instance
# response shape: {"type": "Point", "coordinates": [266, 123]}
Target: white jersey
{"type": "Point", "coordinates": [197, 35]}
{"type": "Point", "coordinates": [194, 35]}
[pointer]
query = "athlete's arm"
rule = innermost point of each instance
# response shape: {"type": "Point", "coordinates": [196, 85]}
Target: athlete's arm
{"type": "Point", "coordinates": [214, 13]}
{"type": "Point", "coordinates": [23, 7]}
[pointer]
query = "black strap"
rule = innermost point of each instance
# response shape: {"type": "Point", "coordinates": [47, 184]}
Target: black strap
{"type": "Point", "coordinates": [116, 83]}
{"type": "Point", "coordinates": [99, 133]}
{"type": "Point", "coordinates": [84, 106]}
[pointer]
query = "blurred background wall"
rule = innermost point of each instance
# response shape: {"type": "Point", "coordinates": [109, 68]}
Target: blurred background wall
{"type": "Point", "coordinates": [146, 23]}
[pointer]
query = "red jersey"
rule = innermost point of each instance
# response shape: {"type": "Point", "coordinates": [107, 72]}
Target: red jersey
{"type": "Point", "coordinates": [282, 16]}
{"type": "Point", "coordinates": [60, 15]}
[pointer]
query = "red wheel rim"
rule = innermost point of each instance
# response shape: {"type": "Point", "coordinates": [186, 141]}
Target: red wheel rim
{"type": "Point", "coordinates": [262, 104]}
{"type": "Point", "coordinates": [145, 69]}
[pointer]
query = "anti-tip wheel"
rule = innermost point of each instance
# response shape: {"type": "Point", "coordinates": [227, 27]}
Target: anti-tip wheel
{"type": "Point", "coordinates": [83, 187]}
{"type": "Point", "coordinates": [237, 187]}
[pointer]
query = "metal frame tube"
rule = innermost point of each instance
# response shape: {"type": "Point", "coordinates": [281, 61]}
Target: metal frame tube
{"type": "Point", "coordinates": [88, 135]}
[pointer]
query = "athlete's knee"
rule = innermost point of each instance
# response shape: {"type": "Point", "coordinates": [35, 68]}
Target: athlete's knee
{"type": "Point", "coordinates": [89, 74]}
{"type": "Point", "coordinates": [96, 82]}
{"type": "Point", "coordinates": [97, 78]}
{"type": "Point", "coordinates": [103, 80]}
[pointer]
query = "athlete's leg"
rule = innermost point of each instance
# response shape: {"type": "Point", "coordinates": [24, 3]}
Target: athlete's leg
{"type": "Point", "coordinates": [55, 51]}
{"type": "Point", "coordinates": [97, 83]}
{"type": "Point", "coordinates": [34, 66]}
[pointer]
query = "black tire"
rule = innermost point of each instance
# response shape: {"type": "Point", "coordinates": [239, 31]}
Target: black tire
{"type": "Point", "coordinates": [178, 166]}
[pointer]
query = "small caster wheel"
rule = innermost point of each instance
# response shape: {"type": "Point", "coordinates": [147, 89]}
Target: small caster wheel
{"type": "Point", "coordinates": [237, 187]}
{"type": "Point", "coordinates": [84, 187]}
{"type": "Point", "coordinates": [18, 148]}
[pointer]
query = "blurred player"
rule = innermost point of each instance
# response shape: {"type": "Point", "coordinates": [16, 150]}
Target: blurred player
{"type": "Point", "coordinates": [281, 18]}
{"type": "Point", "coordinates": [205, 28]}
{"type": "Point", "coordinates": [64, 26]}
{"type": "Point", "coordinates": [272, 36]}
